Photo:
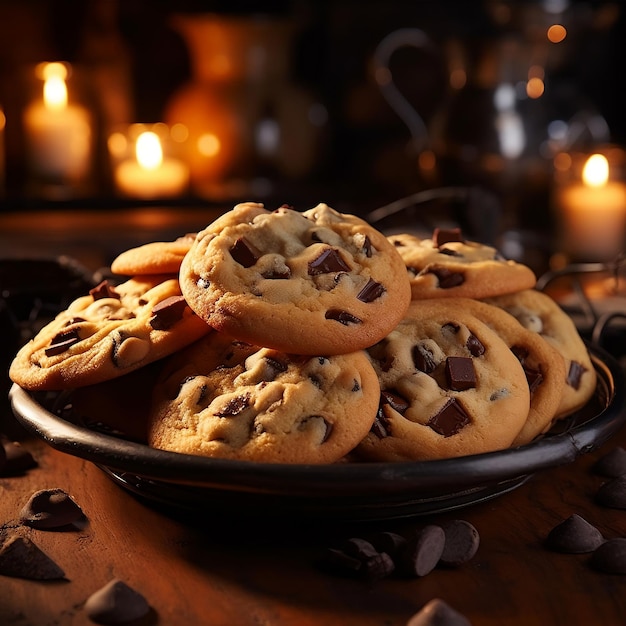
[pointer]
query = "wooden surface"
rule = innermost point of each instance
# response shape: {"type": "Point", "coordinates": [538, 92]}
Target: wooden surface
{"type": "Point", "coordinates": [200, 570]}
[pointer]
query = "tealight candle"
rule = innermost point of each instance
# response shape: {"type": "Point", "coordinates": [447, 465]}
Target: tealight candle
{"type": "Point", "coordinates": [592, 212]}
{"type": "Point", "coordinates": [148, 173]}
{"type": "Point", "coordinates": [58, 132]}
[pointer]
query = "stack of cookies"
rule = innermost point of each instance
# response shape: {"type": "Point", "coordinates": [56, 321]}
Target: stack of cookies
{"type": "Point", "coordinates": [311, 337]}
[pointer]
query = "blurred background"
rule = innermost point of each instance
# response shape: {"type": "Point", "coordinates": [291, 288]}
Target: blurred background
{"type": "Point", "coordinates": [357, 104]}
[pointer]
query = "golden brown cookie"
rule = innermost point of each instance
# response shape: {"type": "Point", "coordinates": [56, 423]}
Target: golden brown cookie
{"type": "Point", "coordinates": [318, 282]}
{"type": "Point", "coordinates": [447, 265]}
{"type": "Point", "coordinates": [539, 312]}
{"type": "Point", "coordinates": [450, 387]}
{"type": "Point", "coordinates": [543, 365]}
{"type": "Point", "coordinates": [110, 332]}
{"type": "Point", "coordinates": [227, 399]}
{"type": "Point", "coordinates": [156, 257]}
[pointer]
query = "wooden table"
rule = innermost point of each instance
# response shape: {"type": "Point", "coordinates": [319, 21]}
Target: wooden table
{"type": "Point", "coordinates": [200, 570]}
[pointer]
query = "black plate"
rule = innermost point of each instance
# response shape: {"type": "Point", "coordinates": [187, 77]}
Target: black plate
{"type": "Point", "coordinates": [345, 491]}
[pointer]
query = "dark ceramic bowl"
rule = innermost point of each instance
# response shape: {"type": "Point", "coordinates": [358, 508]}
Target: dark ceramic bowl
{"type": "Point", "coordinates": [344, 491]}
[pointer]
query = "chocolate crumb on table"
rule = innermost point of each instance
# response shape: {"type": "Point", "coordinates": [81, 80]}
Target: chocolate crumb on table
{"type": "Point", "coordinates": [575, 535]}
{"type": "Point", "coordinates": [51, 509]}
{"type": "Point", "coordinates": [116, 603]}
{"type": "Point", "coordinates": [20, 557]}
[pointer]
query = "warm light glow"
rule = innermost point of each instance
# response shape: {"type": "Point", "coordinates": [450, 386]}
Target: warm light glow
{"type": "Point", "coordinates": [556, 33]}
{"type": "Point", "coordinates": [535, 88]}
{"type": "Point", "coordinates": [179, 133]}
{"type": "Point", "coordinates": [596, 171]}
{"type": "Point", "coordinates": [3, 120]}
{"type": "Point", "coordinates": [55, 93]}
{"type": "Point", "coordinates": [562, 162]}
{"type": "Point", "coordinates": [148, 150]}
{"type": "Point", "coordinates": [208, 145]}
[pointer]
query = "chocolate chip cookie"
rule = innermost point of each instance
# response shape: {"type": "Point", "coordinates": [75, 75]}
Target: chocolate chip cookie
{"type": "Point", "coordinates": [447, 265]}
{"type": "Point", "coordinates": [228, 399]}
{"type": "Point", "coordinates": [539, 312]}
{"type": "Point", "coordinates": [110, 332]}
{"type": "Point", "coordinates": [317, 282]}
{"type": "Point", "coordinates": [450, 386]}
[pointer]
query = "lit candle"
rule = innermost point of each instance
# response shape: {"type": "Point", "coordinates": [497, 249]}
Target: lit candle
{"type": "Point", "coordinates": [58, 133]}
{"type": "Point", "coordinates": [593, 213]}
{"type": "Point", "coordinates": [149, 174]}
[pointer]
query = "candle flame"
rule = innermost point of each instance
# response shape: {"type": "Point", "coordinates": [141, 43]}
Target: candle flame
{"type": "Point", "coordinates": [55, 93]}
{"type": "Point", "coordinates": [596, 171]}
{"type": "Point", "coordinates": [148, 150]}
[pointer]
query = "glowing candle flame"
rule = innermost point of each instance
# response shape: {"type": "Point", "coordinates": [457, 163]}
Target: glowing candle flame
{"type": "Point", "coordinates": [149, 151]}
{"type": "Point", "coordinates": [596, 171]}
{"type": "Point", "coordinates": [54, 88]}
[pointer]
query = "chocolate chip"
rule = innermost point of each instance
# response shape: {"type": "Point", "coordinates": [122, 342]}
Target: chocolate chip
{"type": "Point", "coordinates": [328, 261]}
{"type": "Point", "coordinates": [167, 312]}
{"type": "Point", "coordinates": [576, 370]}
{"type": "Point", "coordinates": [610, 557]}
{"type": "Point", "coordinates": [613, 493]}
{"type": "Point", "coordinates": [244, 253]}
{"type": "Point", "coordinates": [447, 278]}
{"type": "Point", "coordinates": [343, 317]}
{"type": "Point", "coordinates": [104, 290]}
{"type": "Point", "coordinates": [460, 373]}
{"type": "Point", "coordinates": [475, 346]}
{"type": "Point", "coordinates": [394, 400]}
{"type": "Point", "coordinates": [116, 603]}
{"type": "Point", "coordinates": [534, 376]}
{"type": "Point", "coordinates": [371, 291]}
{"type": "Point", "coordinates": [359, 548]}
{"type": "Point", "coordinates": [50, 509]}
{"type": "Point", "coordinates": [450, 419]}
{"type": "Point", "coordinates": [21, 558]}
{"type": "Point", "coordinates": [611, 464]}
{"type": "Point", "coordinates": [389, 542]}
{"type": "Point", "coordinates": [234, 406]}
{"type": "Point", "coordinates": [462, 541]}
{"type": "Point", "coordinates": [378, 567]}
{"type": "Point", "coordinates": [575, 535]}
{"type": "Point", "coordinates": [380, 427]}
{"type": "Point", "coordinates": [423, 551]}
{"type": "Point", "coordinates": [445, 235]}
{"type": "Point", "coordinates": [423, 358]}
{"type": "Point", "coordinates": [62, 342]}
{"type": "Point", "coordinates": [17, 458]}
{"type": "Point", "coordinates": [274, 367]}
{"type": "Point", "coordinates": [438, 613]}
{"type": "Point", "coordinates": [367, 247]}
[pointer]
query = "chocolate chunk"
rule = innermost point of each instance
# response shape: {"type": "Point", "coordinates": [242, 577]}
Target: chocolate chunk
{"type": "Point", "coordinates": [450, 419]}
{"type": "Point", "coordinates": [62, 341]}
{"type": "Point", "coordinates": [395, 401]}
{"type": "Point", "coordinates": [235, 406]}
{"type": "Point", "coordinates": [244, 253]}
{"type": "Point", "coordinates": [17, 458]}
{"type": "Point", "coordinates": [575, 535]}
{"type": "Point", "coordinates": [371, 291]}
{"type": "Point", "coordinates": [460, 373]}
{"type": "Point", "coordinates": [462, 541]}
{"type": "Point", "coordinates": [475, 346]}
{"type": "Point", "coordinates": [328, 261]}
{"type": "Point", "coordinates": [447, 278]}
{"type": "Point", "coordinates": [389, 542]}
{"type": "Point", "coordinates": [359, 548]}
{"type": "Point", "coordinates": [50, 509]}
{"type": "Point", "coordinates": [445, 235]}
{"type": "Point", "coordinates": [610, 557]}
{"type": "Point", "coordinates": [274, 367]}
{"type": "Point", "coordinates": [167, 312]}
{"type": "Point", "coordinates": [613, 493]}
{"type": "Point", "coordinates": [534, 376]}
{"type": "Point", "coordinates": [422, 551]}
{"type": "Point", "coordinates": [104, 290]}
{"type": "Point", "coordinates": [423, 358]}
{"type": "Point", "coordinates": [378, 567]}
{"type": "Point", "coordinates": [21, 558]}
{"type": "Point", "coordinates": [438, 613]}
{"type": "Point", "coordinates": [343, 317]}
{"type": "Point", "coordinates": [116, 603]}
{"type": "Point", "coordinates": [611, 464]}
{"type": "Point", "coordinates": [576, 370]}
{"type": "Point", "coordinates": [380, 427]}
{"type": "Point", "coordinates": [367, 247]}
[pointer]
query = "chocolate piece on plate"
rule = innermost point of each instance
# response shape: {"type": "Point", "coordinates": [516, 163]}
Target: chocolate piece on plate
{"type": "Point", "coordinates": [423, 551]}
{"type": "Point", "coordinates": [438, 613]}
{"type": "Point", "coordinates": [21, 558]}
{"type": "Point", "coordinates": [462, 541]}
{"type": "Point", "coordinates": [49, 509]}
{"type": "Point", "coordinates": [613, 493]}
{"type": "Point", "coordinates": [612, 464]}
{"type": "Point", "coordinates": [116, 603]}
{"type": "Point", "coordinates": [575, 535]}
{"type": "Point", "coordinates": [610, 557]}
